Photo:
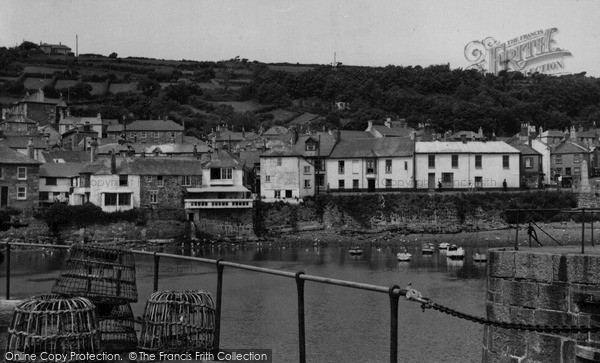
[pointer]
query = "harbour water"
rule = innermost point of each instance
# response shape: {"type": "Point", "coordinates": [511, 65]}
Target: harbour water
{"type": "Point", "coordinates": [342, 324]}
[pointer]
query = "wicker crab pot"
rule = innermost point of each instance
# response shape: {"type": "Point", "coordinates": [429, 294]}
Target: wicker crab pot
{"type": "Point", "coordinates": [54, 324]}
{"type": "Point", "coordinates": [116, 327]}
{"type": "Point", "coordinates": [103, 275]}
{"type": "Point", "coordinates": [178, 322]}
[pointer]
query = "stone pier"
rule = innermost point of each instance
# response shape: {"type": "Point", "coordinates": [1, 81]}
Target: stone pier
{"type": "Point", "coordinates": [550, 286]}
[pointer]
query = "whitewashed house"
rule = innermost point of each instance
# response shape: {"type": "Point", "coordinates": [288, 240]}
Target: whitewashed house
{"type": "Point", "coordinates": [374, 164]}
{"type": "Point", "coordinates": [466, 165]}
{"type": "Point", "coordinates": [285, 176]}
{"type": "Point", "coordinates": [57, 181]}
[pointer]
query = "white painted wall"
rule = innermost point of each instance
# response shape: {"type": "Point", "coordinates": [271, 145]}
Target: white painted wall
{"type": "Point", "coordinates": [287, 176]}
{"type": "Point", "coordinates": [356, 169]}
{"type": "Point", "coordinates": [543, 149]}
{"type": "Point", "coordinates": [100, 184]}
{"type": "Point", "coordinates": [491, 171]}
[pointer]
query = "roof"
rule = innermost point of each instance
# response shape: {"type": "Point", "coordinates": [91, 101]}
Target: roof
{"type": "Point", "coordinates": [178, 148]}
{"type": "Point", "coordinates": [61, 46]}
{"type": "Point", "coordinates": [373, 147]}
{"type": "Point", "coordinates": [588, 134]}
{"type": "Point", "coordinates": [304, 119]}
{"type": "Point", "coordinates": [20, 119]}
{"type": "Point", "coordinates": [225, 135]}
{"type": "Point", "coordinates": [459, 147]}
{"type": "Point", "coordinates": [250, 157]}
{"type": "Point", "coordinates": [21, 141]}
{"type": "Point", "coordinates": [147, 125]}
{"type": "Point", "coordinates": [392, 132]}
{"type": "Point", "coordinates": [61, 170]}
{"type": "Point", "coordinates": [276, 130]}
{"type": "Point", "coordinates": [9, 156]}
{"type": "Point", "coordinates": [80, 130]}
{"type": "Point", "coordinates": [223, 159]}
{"type": "Point", "coordinates": [468, 134]}
{"type": "Point", "coordinates": [68, 156]}
{"type": "Point", "coordinates": [523, 148]}
{"type": "Point", "coordinates": [218, 189]}
{"type": "Point", "coordinates": [280, 152]}
{"type": "Point", "coordinates": [553, 133]}
{"type": "Point", "coordinates": [327, 142]}
{"type": "Point", "coordinates": [70, 120]}
{"type": "Point", "coordinates": [146, 166]}
{"type": "Point", "coordinates": [569, 146]}
{"type": "Point", "coordinates": [351, 134]}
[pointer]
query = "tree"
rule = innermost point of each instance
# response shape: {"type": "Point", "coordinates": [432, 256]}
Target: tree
{"type": "Point", "coordinates": [178, 92]}
{"type": "Point", "coordinates": [113, 55]}
{"type": "Point", "coordinates": [149, 87]}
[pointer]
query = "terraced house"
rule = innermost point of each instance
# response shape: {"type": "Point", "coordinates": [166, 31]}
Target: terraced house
{"type": "Point", "coordinates": [147, 131]}
{"type": "Point", "coordinates": [19, 179]}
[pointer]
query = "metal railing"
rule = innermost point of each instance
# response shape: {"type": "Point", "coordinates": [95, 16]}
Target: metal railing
{"type": "Point", "coordinates": [393, 292]}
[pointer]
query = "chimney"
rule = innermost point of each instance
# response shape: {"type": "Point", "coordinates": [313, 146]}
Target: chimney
{"type": "Point", "coordinates": [370, 125]}
{"type": "Point", "coordinates": [294, 136]}
{"type": "Point", "coordinates": [31, 149]}
{"type": "Point", "coordinates": [113, 163]}
{"type": "Point", "coordinates": [463, 138]}
{"type": "Point", "coordinates": [86, 127]}
{"type": "Point", "coordinates": [337, 135]}
{"type": "Point", "coordinates": [183, 132]}
{"type": "Point", "coordinates": [388, 123]}
{"type": "Point", "coordinates": [99, 117]}
{"type": "Point", "coordinates": [540, 132]}
{"type": "Point", "coordinates": [195, 151]}
{"type": "Point", "coordinates": [93, 150]}
{"type": "Point", "coordinates": [68, 112]}
{"type": "Point", "coordinates": [573, 135]}
{"type": "Point", "coordinates": [480, 132]}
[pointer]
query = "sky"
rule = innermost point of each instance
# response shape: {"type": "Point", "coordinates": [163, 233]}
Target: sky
{"type": "Point", "coordinates": [365, 32]}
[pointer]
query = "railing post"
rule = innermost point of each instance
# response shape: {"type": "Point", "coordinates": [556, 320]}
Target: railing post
{"type": "Point", "coordinates": [394, 297]}
{"type": "Point", "coordinates": [592, 227]}
{"type": "Point", "coordinates": [517, 234]}
{"type": "Point", "coordinates": [301, 326]}
{"type": "Point", "coordinates": [156, 268]}
{"type": "Point", "coordinates": [583, 230]}
{"type": "Point", "coordinates": [218, 308]}
{"type": "Point", "coordinates": [7, 270]}
{"type": "Point", "coordinates": [529, 233]}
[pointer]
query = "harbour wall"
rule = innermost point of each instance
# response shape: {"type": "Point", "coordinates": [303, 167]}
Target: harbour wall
{"type": "Point", "coordinates": [550, 286]}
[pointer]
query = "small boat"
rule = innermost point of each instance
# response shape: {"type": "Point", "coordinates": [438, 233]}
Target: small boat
{"type": "Point", "coordinates": [479, 257]}
{"type": "Point", "coordinates": [455, 252]}
{"type": "Point", "coordinates": [355, 251]}
{"type": "Point", "coordinates": [403, 255]}
{"type": "Point", "coordinates": [428, 249]}
{"type": "Point", "coordinates": [443, 246]}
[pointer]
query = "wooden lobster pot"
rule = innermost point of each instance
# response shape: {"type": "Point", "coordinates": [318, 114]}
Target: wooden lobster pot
{"type": "Point", "coordinates": [54, 324]}
{"type": "Point", "coordinates": [178, 322]}
{"type": "Point", "coordinates": [116, 327]}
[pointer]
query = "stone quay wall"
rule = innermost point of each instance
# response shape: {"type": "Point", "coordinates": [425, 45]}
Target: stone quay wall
{"type": "Point", "coordinates": [543, 286]}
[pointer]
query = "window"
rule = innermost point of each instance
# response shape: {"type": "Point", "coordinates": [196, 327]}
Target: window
{"type": "Point", "coordinates": [160, 181]}
{"type": "Point", "coordinates": [431, 161]}
{"type": "Point", "coordinates": [22, 172]}
{"type": "Point", "coordinates": [478, 161]}
{"type": "Point", "coordinates": [50, 181]}
{"type": "Point", "coordinates": [454, 161]}
{"type": "Point", "coordinates": [143, 134]}
{"type": "Point", "coordinates": [132, 134]}
{"type": "Point", "coordinates": [388, 166]}
{"type": "Point", "coordinates": [124, 199]}
{"type": "Point", "coordinates": [447, 180]}
{"type": "Point", "coordinates": [110, 199]}
{"type": "Point", "coordinates": [478, 182]}
{"type": "Point", "coordinates": [1, 173]}
{"type": "Point", "coordinates": [278, 161]}
{"type": "Point", "coordinates": [156, 134]}
{"type": "Point", "coordinates": [21, 193]}
{"type": "Point", "coordinates": [577, 158]}
{"type": "Point", "coordinates": [528, 163]}
{"type": "Point", "coordinates": [306, 169]}
{"type": "Point", "coordinates": [187, 181]}
{"type": "Point", "coordinates": [123, 180]}
{"type": "Point", "coordinates": [558, 171]}
{"type": "Point", "coordinates": [355, 183]}
{"type": "Point", "coordinates": [172, 135]}
{"type": "Point", "coordinates": [306, 183]}
{"type": "Point", "coordinates": [388, 183]}
{"type": "Point", "coordinates": [217, 173]}
{"type": "Point", "coordinates": [43, 195]}
{"type": "Point", "coordinates": [406, 165]}
{"type": "Point", "coordinates": [318, 165]}
{"type": "Point", "coordinates": [568, 171]}
{"type": "Point", "coordinates": [577, 170]}
{"type": "Point", "coordinates": [371, 166]}
{"type": "Point", "coordinates": [149, 178]}
{"type": "Point", "coordinates": [341, 184]}
{"type": "Point", "coordinates": [310, 145]}
{"type": "Point", "coordinates": [321, 180]}
{"type": "Point", "coordinates": [505, 162]}
{"type": "Point", "coordinates": [288, 193]}
{"type": "Point", "coordinates": [267, 178]}
{"type": "Point", "coordinates": [278, 194]}
{"type": "Point", "coordinates": [355, 166]}
{"type": "Point", "coordinates": [154, 196]}
{"type": "Point", "coordinates": [559, 159]}
{"type": "Point", "coordinates": [341, 167]}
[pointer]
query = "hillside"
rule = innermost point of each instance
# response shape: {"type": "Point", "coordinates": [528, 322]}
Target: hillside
{"type": "Point", "coordinates": [248, 94]}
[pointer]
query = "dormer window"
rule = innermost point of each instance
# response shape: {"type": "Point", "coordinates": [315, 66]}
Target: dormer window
{"type": "Point", "coordinates": [311, 145]}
